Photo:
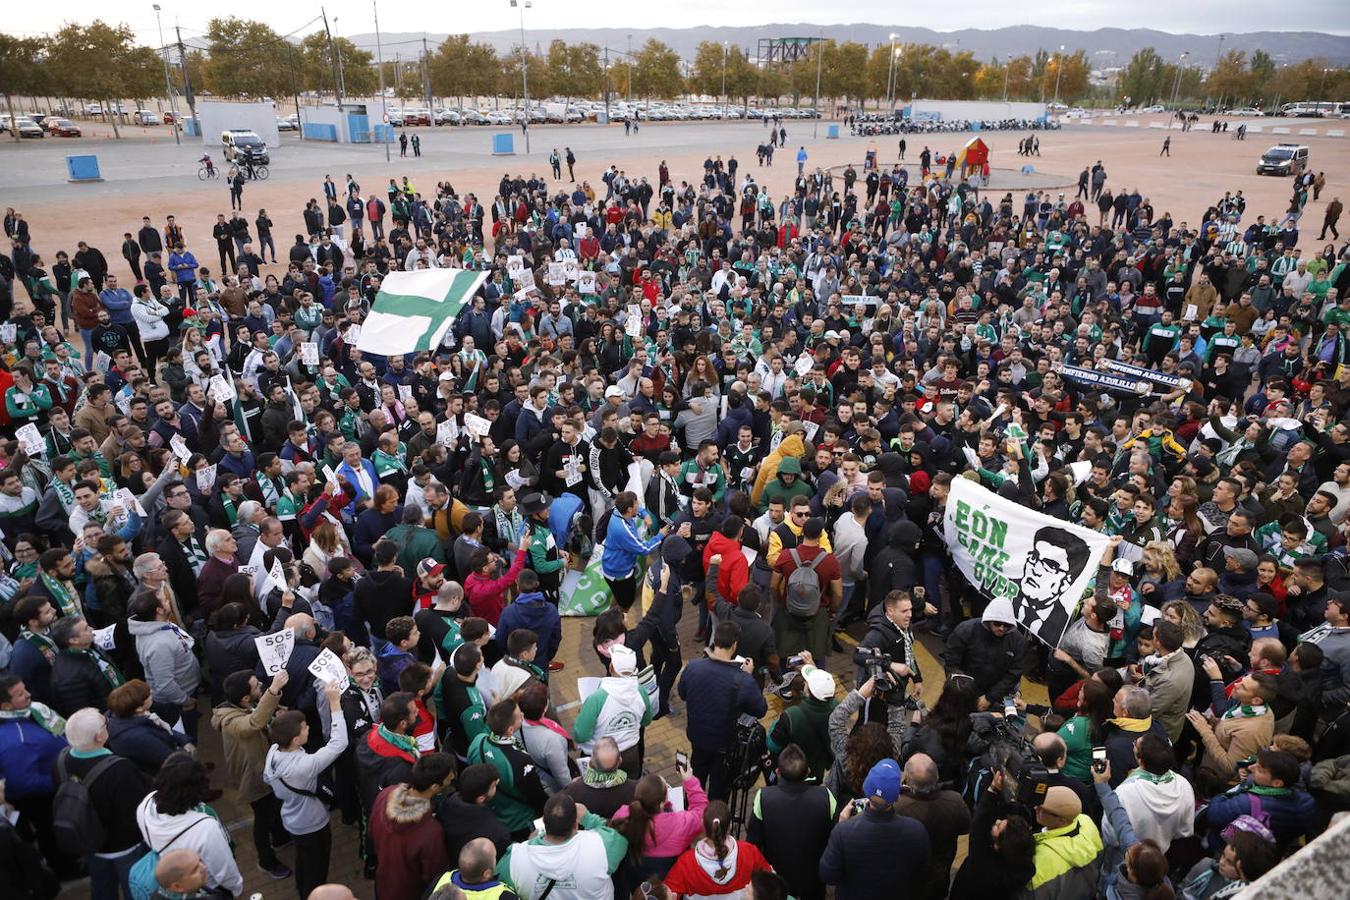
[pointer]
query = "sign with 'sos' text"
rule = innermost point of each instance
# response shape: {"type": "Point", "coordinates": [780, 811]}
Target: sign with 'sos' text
{"type": "Point", "coordinates": [1042, 565]}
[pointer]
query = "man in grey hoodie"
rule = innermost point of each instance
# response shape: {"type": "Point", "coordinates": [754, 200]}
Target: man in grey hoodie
{"type": "Point", "coordinates": [165, 651]}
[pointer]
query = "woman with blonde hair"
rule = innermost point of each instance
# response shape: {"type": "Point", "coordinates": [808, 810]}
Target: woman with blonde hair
{"type": "Point", "coordinates": [1182, 614]}
{"type": "Point", "coordinates": [1162, 580]}
{"type": "Point", "coordinates": [326, 542]}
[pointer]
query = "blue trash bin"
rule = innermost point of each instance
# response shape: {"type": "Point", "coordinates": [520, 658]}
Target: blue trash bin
{"type": "Point", "coordinates": [832, 132]}
{"type": "Point", "coordinates": [504, 144]}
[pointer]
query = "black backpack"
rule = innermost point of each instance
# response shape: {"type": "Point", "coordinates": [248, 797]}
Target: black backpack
{"type": "Point", "coordinates": [74, 818]}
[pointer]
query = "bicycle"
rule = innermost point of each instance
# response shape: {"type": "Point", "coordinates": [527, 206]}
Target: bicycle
{"type": "Point", "coordinates": [204, 173]}
{"type": "Point", "coordinates": [260, 173]}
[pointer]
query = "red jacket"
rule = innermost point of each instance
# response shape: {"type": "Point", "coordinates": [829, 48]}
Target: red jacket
{"type": "Point", "coordinates": [487, 596]}
{"type": "Point", "coordinates": [408, 842]}
{"type": "Point", "coordinates": [734, 572]}
{"type": "Point", "coordinates": [696, 873]}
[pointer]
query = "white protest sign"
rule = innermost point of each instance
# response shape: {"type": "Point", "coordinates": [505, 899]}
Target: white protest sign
{"type": "Point", "coordinates": [222, 390]}
{"type": "Point", "coordinates": [31, 439]}
{"type": "Point", "coordinates": [206, 478]}
{"type": "Point", "coordinates": [328, 668]}
{"type": "Point", "coordinates": [180, 447]}
{"type": "Point", "coordinates": [514, 266]}
{"type": "Point", "coordinates": [571, 269]}
{"type": "Point", "coordinates": [632, 325]}
{"type": "Point", "coordinates": [476, 425]}
{"type": "Point", "coordinates": [276, 577]}
{"type": "Point", "coordinates": [104, 639]}
{"type": "Point", "coordinates": [309, 354]}
{"type": "Point", "coordinates": [275, 649]}
{"type": "Point", "coordinates": [128, 501]}
{"type": "Point", "coordinates": [526, 279]}
{"type": "Point", "coordinates": [123, 402]}
{"type": "Point", "coordinates": [804, 364]}
{"type": "Point", "coordinates": [1041, 564]}
{"type": "Point", "coordinates": [557, 273]}
{"type": "Point", "coordinates": [8, 332]}
{"type": "Point", "coordinates": [405, 392]}
{"type": "Point", "coordinates": [447, 433]}
{"type": "Point", "coordinates": [329, 474]}
{"type": "Point", "coordinates": [586, 282]}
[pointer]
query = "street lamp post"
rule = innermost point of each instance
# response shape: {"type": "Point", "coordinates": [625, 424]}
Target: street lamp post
{"type": "Point", "coordinates": [168, 86]}
{"type": "Point", "coordinates": [379, 62]}
{"type": "Point", "coordinates": [1059, 69]}
{"type": "Point", "coordinates": [523, 5]}
{"type": "Point", "coordinates": [1176, 85]}
{"type": "Point", "coordinates": [1007, 70]}
{"type": "Point", "coordinates": [341, 75]}
{"type": "Point", "coordinates": [725, 52]}
{"type": "Point", "coordinates": [890, 74]}
{"type": "Point", "coordinates": [815, 103]}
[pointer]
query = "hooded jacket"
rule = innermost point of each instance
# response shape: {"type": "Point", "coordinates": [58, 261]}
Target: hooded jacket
{"type": "Point", "coordinates": [1161, 807]}
{"type": "Point", "coordinates": [699, 873]}
{"type": "Point", "coordinates": [380, 764]}
{"type": "Point", "coordinates": [192, 830]}
{"type": "Point", "coordinates": [893, 568]}
{"type": "Point", "coordinates": [408, 843]}
{"type": "Point", "coordinates": [619, 708]}
{"type": "Point", "coordinates": [580, 867]}
{"type": "Point", "coordinates": [532, 611]}
{"type": "Point", "coordinates": [780, 489]}
{"type": "Point", "coordinates": [1068, 861]}
{"type": "Point", "coordinates": [996, 663]}
{"type": "Point", "coordinates": [165, 650]}
{"type": "Point", "coordinates": [792, 447]}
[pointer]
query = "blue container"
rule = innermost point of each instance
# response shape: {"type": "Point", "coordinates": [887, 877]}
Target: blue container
{"type": "Point", "coordinates": [832, 132]}
{"type": "Point", "coordinates": [504, 144]}
{"type": "Point", "coordinates": [82, 168]}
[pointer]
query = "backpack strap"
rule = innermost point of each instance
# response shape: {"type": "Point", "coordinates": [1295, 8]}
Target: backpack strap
{"type": "Point", "coordinates": [194, 824]}
{"type": "Point", "coordinates": [88, 779]}
{"type": "Point", "coordinates": [796, 557]}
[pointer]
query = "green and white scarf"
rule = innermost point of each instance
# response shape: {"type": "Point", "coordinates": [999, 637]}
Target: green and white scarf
{"type": "Point", "coordinates": [64, 493]}
{"type": "Point", "coordinates": [1245, 711]}
{"type": "Point", "coordinates": [40, 713]}
{"type": "Point", "coordinates": [406, 743]}
{"type": "Point", "coordinates": [64, 593]}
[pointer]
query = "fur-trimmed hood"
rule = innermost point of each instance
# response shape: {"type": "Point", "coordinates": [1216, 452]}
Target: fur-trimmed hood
{"type": "Point", "coordinates": [404, 808]}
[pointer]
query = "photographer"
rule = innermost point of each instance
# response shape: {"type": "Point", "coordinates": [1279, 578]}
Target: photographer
{"type": "Point", "coordinates": [873, 852]}
{"type": "Point", "coordinates": [1000, 856]}
{"type": "Point", "coordinates": [1140, 861]}
{"type": "Point", "coordinates": [806, 724]}
{"type": "Point", "coordinates": [857, 748]}
{"type": "Point", "coordinates": [1157, 802]}
{"type": "Point", "coordinates": [889, 642]}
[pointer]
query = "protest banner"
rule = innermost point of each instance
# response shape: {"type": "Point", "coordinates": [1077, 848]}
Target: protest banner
{"type": "Point", "coordinates": [1105, 380]}
{"type": "Point", "coordinates": [31, 440]}
{"type": "Point", "coordinates": [1173, 382]}
{"type": "Point", "coordinates": [477, 426]}
{"type": "Point", "coordinates": [309, 353]}
{"type": "Point", "coordinates": [557, 274]}
{"type": "Point", "coordinates": [1041, 564]}
{"type": "Point", "coordinates": [586, 282]}
{"type": "Point", "coordinates": [180, 447]}
{"type": "Point", "coordinates": [329, 669]}
{"type": "Point", "coordinates": [206, 479]}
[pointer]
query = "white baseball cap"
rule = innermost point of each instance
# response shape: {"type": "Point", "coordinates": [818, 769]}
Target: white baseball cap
{"type": "Point", "coordinates": [820, 684]}
{"type": "Point", "coordinates": [623, 659]}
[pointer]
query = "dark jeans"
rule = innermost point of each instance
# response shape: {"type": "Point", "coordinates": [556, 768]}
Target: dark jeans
{"type": "Point", "coordinates": [710, 768]}
{"type": "Point", "coordinates": [108, 877]}
{"type": "Point", "coordinates": [266, 245]}
{"type": "Point", "coordinates": [312, 855]}
{"type": "Point", "coordinates": [624, 590]}
{"type": "Point", "coordinates": [268, 830]}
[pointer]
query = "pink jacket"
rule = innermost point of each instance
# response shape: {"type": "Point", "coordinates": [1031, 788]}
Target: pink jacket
{"type": "Point", "coordinates": [673, 832]}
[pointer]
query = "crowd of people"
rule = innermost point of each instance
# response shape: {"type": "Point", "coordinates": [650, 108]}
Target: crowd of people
{"type": "Point", "coordinates": [753, 406]}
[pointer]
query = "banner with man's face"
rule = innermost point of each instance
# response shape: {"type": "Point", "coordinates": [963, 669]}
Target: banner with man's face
{"type": "Point", "coordinates": [1041, 564]}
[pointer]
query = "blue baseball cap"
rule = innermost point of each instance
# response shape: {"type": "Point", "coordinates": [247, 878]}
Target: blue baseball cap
{"type": "Point", "coordinates": [883, 782]}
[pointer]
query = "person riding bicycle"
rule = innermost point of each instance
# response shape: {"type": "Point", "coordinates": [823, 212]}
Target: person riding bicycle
{"type": "Point", "coordinates": [248, 166]}
{"type": "Point", "coordinates": [210, 166]}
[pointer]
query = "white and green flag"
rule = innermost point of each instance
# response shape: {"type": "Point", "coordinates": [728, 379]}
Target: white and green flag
{"type": "Point", "coordinates": [414, 310]}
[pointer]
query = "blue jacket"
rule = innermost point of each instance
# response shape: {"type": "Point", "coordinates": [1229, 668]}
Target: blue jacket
{"type": "Point", "coordinates": [27, 754]}
{"type": "Point", "coordinates": [242, 465]}
{"type": "Point", "coordinates": [717, 693]}
{"type": "Point", "coordinates": [729, 428]}
{"type": "Point", "coordinates": [528, 425]}
{"type": "Point", "coordinates": [118, 304]}
{"type": "Point", "coordinates": [877, 854]}
{"type": "Point", "coordinates": [1290, 812]}
{"type": "Point", "coordinates": [623, 547]}
{"type": "Point", "coordinates": [392, 661]}
{"type": "Point", "coordinates": [29, 663]}
{"type": "Point", "coordinates": [142, 741]}
{"type": "Point", "coordinates": [532, 611]}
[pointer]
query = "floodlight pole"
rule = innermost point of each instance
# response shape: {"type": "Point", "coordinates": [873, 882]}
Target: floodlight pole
{"type": "Point", "coordinates": [168, 85]}
{"type": "Point", "coordinates": [820, 58]}
{"type": "Point", "coordinates": [379, 62]}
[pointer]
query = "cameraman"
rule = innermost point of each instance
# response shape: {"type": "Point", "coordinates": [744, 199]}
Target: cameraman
{"type": "Point", "coordinates": [889, 636]}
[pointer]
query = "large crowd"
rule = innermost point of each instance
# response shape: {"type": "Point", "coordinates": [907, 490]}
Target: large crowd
{"type": "Point", "coordinates": [228, 523]}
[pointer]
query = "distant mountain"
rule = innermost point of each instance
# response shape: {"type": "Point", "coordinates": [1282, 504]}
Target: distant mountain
{"type": "Point", "coordinates": [1106, 47]}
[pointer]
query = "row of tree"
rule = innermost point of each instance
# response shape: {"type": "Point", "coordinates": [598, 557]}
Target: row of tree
{"type": "Point", "coordinates": [243, 57]}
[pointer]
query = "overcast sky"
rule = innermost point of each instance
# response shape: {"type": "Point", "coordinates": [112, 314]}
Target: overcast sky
{"type": "Point", "coordinates": [354, 16]}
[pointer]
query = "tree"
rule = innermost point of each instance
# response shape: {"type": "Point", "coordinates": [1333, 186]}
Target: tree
{"type": "Point", "coordinates": [1145, 78]}
{"type": "Point", "coordinates": [536, 67]}
{"type": "Point", "coordinates": [249, 59]}
{"type": "Point", "coordinates": [460, 68]}
{"type": "Point", "coordinates": [845, 71]}
{"type": "Point", "coordinates": [574, 70]}
{"type": "Point", "coordinates": [1262, 69]}
{"type": "Point", "coordinates": [706, 77]}
{"type": "Point", "coordinates": [656, 71]}
{"type": "Point", "coordinates": [1068, 73]}
{"type": "Point", "coordinates": [771, 83]}
{"type": "Point", "coordinates": [19, 70]}
{"type": "Point", "coordinates": [100, 62]}
{"type": "Point", "coordinates": [742, 76]}
{"type": "Point", "coordinates": [1231, 78]}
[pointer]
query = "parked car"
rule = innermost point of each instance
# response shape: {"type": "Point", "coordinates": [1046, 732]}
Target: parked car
{"type": "Point", "coordinates": [395, 117]}
{"type": "Point", "coordinates": [27, 128]}
{"type": "Point", "coordinates": [237, 144]}
{"type": "Point", "coordinates": [145, 117]}
{"type": "Point", "coordinates": [1283, 159]}
{"type": "Point", "coordinates": [473, 117]}
{"type": "Point", "coordinates": [1155, 108]}
{"type": "Point", "coordinates": [1245, 111]}
{"type": "Point", "coordinates": [448, 117]}
{"type": "Point", "coordinates": [93, 109]}
{"type": "Point", "coordinates": [62, 127]}
{"type": "Point", "coordinates": [285, 124]}
{"type": "Point", "coordinates": [416, 117]}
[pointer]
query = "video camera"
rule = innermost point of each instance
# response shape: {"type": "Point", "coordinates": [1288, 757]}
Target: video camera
{"type": "Point", "coordinates": [1006, 750]}
{"type": "Point", "coordinates": [877, 666]}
